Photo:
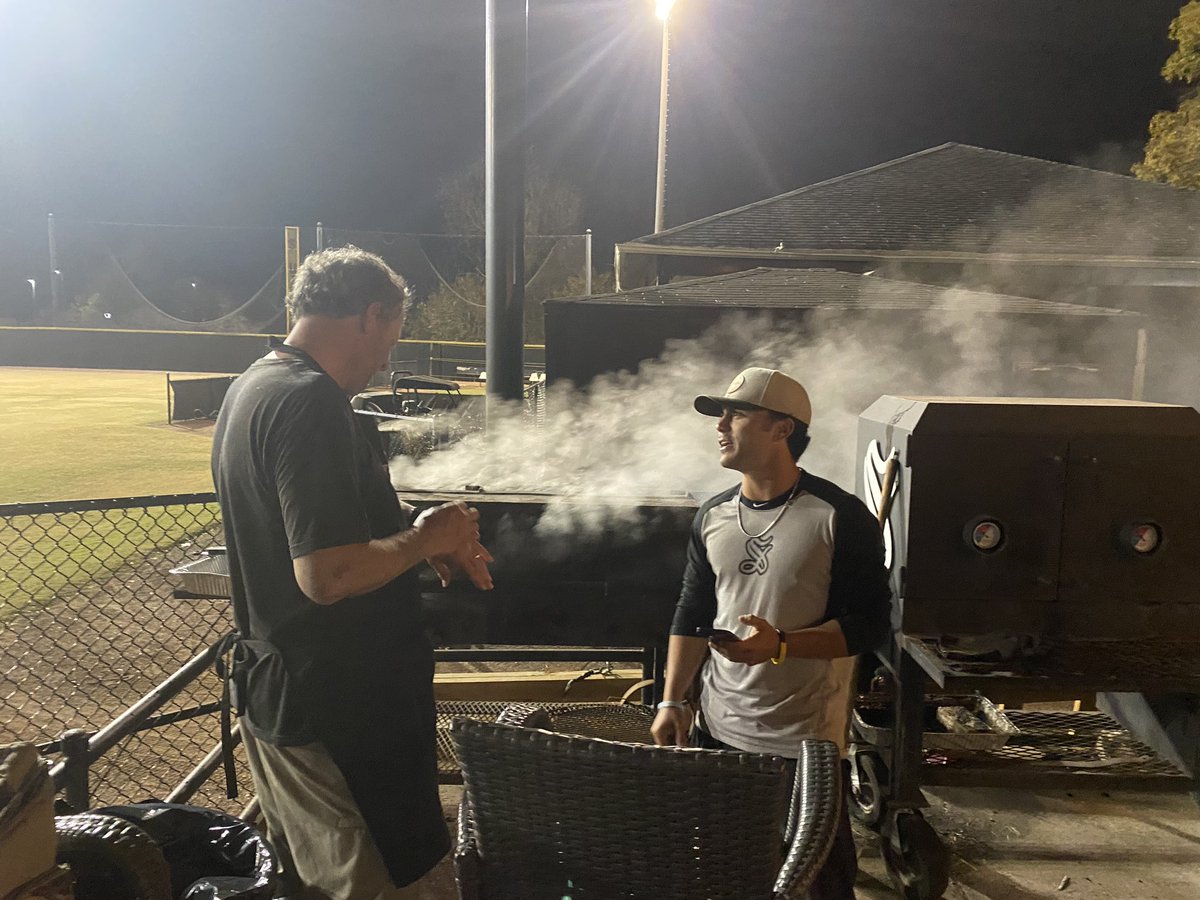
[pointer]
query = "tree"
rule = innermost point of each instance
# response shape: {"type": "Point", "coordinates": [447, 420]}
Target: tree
{"type": "Point", "coordinates": [551, 204]}
{"type": "Point", "coordinates": [1173, 149]}
{"type": "Point", "coordinates": [456, 311]}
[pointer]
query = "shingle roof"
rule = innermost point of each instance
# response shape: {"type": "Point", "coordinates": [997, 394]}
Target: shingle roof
{"type": "Point", "coordinates": [956, 199]}
{"type": "Point", "coordinates": [830, 289]}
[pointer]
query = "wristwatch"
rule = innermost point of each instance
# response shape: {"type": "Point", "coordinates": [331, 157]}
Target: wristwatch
{"type": "Point", "coordinates": [673, 704]}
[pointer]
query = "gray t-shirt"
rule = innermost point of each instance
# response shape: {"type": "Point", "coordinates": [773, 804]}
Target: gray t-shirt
{"type": "Point", "coordinates": [822, 560]}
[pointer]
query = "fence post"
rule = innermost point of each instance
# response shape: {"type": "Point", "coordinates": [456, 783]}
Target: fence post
{"type": "Point", "coordinates": [55, 269]}
{"type": "Point", "coordinates": [587, 262]}
{"type": "Point", "coordinates": [76, 763]}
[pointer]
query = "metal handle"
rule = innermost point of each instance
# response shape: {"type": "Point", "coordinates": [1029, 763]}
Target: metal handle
{"type": "Point", "coordinates": [890, 471]}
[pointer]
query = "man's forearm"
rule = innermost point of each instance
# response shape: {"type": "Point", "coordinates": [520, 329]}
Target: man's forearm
{"type": "Point", "coordinates": [335, 573]}
{"type": "Point", "coordinates": [825, 641]}
{"type": "Point", "coordinates": [684, 658]}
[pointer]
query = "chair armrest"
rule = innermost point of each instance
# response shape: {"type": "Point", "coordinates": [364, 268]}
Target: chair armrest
{"type": "Point", "coordinates": [816, 808]}
{"type": "Point", "coordinates": [466, 855]}
{"type": "Point", "coordinates": [526, 715]}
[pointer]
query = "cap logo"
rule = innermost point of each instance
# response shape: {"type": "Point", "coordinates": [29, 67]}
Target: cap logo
{"type": "Point", "coordinates": [737, 383]}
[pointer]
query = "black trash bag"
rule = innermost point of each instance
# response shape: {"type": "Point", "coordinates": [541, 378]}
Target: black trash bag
{"type": "Point", "coordinates": [212, 856]}
{"type": "Point", "coordinates": [220, 887]}
{"type": "Point", "coordinates": [111, 859]}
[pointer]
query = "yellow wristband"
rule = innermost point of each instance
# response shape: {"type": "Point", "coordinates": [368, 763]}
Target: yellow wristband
{"type": "Point", "coordinates": [782, 647]}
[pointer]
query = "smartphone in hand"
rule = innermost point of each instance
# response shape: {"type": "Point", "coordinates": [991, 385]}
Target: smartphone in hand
{"type": "Point", "coordinates": [717, 634]}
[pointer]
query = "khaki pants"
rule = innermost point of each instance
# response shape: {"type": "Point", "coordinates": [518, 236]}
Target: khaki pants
{"type": "Point", "coordinates": [324, 847]}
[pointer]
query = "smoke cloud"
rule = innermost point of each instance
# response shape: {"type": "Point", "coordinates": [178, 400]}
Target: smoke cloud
{"type": "Point", "coordinates": [636, 435]}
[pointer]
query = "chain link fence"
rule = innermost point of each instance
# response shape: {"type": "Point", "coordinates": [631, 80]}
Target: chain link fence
{"type": "Point", "coordinates": [89, 624]}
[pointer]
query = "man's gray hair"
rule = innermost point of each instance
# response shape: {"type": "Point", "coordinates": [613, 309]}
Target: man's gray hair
{"type": "Point", "coordinates": [344, 281]}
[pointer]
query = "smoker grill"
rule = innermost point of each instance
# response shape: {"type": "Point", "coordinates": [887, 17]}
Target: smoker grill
{"type": "Point", "coordinates": [576, 579]}
{"type": "Point", "coordinates": [1039, 549]}
{"type": "Point", "coordinates": [595, 572]}
{"type": "Point", "coordinates": [581, 572]}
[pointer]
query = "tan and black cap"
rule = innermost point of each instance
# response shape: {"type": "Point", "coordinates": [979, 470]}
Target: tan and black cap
{"type": "Point", "coordinates": [764, 388]}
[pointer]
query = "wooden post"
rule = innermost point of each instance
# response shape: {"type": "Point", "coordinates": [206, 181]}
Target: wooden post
{"type": "Point", "coordinates": [291, 262]}
{"type": "Point", "coordinates": [1139, 366]}
{"type": "Point", "coordinates": [55, 269]}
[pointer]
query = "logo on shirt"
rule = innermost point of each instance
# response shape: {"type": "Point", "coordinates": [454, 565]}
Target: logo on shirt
{"type": "Point", "coordinates": [756, 562]}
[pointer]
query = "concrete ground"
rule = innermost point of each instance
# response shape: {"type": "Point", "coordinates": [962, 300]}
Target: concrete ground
{"type": "Point", "coordinates": [1012, 845]}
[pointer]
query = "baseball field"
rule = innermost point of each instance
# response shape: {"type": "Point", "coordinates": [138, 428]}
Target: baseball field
{"type": "Point", "coordinates": [83, 434]}
{"type": "Point", "coordinates": [71, 434]}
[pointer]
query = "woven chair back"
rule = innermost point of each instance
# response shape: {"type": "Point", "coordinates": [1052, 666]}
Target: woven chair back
{"type": "Point", "coordinates": [558, 816]}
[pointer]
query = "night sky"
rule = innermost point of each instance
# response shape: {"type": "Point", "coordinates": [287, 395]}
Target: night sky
{"type": "Point", "coordinates": [265, 112]}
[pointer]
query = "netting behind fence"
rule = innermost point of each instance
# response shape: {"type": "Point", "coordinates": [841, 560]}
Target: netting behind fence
{"type": "Point", "coordinates": [89, 624]}
{"type": "Point", "coordinates": [434, 262]}
{"type": "Point", "coordinates": [168, 277]}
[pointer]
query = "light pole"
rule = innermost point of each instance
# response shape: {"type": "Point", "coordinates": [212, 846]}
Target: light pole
{"type": "Point", "coordinates": [663, 9]}
{"type": "Point", "coordinates": [505, 53]}
{"type": "Point", "coordinates": [32, 291]}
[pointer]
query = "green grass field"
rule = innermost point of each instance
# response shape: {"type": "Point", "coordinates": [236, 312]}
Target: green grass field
{"type": "Point", "coordinates": [87, 434]}
{"type": "Point", "coordinates": [84, 433]}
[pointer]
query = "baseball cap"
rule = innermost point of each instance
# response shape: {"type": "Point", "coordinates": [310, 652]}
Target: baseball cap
{"type": "Point", "coordinates": [765, 388]}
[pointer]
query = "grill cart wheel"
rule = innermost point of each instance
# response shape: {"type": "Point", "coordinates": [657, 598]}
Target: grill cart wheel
{"type": "Point", "coordinates": [111, 859]}
{"type": "Point", "coordinates": [866, 796]}
{"type": "Point", "coordinates": [917, 860]}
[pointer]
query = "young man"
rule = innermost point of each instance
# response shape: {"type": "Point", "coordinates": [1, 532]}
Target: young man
{"type": "Point", "coordinates": [792, 565]}
{"type": "Point", "coordinates": [332, 667]}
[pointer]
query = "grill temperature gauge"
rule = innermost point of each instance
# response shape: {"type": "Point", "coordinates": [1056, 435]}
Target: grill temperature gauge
{"type": "Point", "coordinates": [985, 535]}
{"type": "Point", "coordinates": [1144, 538]}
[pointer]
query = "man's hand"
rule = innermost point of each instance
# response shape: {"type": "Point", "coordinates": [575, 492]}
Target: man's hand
{"type": "Point", "coordinates": [672, 726]}
{"type": "Point", "coordinates": [761, 645]}
{"type": "Point", "coordinates": [471, 561]}
{"type": "Point", "coordinates": [443, 529]}
{"type": "Point", "coordinates": [449, 537]}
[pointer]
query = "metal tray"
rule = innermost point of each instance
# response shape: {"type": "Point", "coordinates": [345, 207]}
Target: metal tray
{"type": "Point", "coordinates": [205, 577]}
{"type": "Point", "coordinates": [948, 713]}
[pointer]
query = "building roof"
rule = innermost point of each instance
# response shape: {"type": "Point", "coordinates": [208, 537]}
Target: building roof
{"type": "Point", "coordinates": [833, 290]}
{"type": "Point", "coordinates": [956, 201]}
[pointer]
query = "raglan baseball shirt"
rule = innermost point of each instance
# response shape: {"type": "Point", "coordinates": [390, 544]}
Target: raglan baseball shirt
{"type": "Point", "coordinates": [821, 560]}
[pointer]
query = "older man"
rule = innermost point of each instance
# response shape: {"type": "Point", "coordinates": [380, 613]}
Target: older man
{"type": "Point", "coordinates": [333, 668]}
{"type": "Point", "coordinates": [791, 566]}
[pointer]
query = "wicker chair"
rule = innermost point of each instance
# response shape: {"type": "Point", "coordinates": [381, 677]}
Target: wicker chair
{"type": "Point", "coordinates": [558, 816]}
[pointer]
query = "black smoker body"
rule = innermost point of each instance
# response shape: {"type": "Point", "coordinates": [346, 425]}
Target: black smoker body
{"type": "Point", "coordinates": [582, 572]}
{"type": "Point", "coordinates": [1038, 549]}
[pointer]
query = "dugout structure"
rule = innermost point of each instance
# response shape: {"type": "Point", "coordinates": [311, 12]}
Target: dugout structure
{"type": "Point", "coordinates": [198, 397]}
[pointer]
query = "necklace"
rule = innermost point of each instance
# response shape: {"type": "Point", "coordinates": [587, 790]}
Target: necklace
{"type": "Point", "coordinates": [786, 506]}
